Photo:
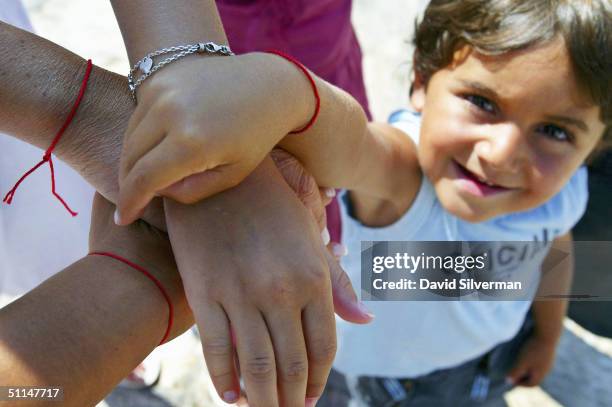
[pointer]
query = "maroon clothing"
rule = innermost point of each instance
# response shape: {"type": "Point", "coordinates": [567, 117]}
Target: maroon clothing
{"type": "Point", "coordinates": [316, 32]}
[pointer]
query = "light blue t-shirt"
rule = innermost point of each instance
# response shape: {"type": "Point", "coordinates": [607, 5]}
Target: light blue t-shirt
{"type": "Point", "coordinates": [410, 339]}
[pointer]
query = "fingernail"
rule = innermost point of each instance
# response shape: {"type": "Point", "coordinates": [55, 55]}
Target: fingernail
{"type": "Point", "coordinates": [230, 396]}
{"type": "Point", "coordinates": [509, 381]}
{"type": "Point", "coordinates": [339, 250]}
{"type": "Point", "coordinates": [117, 218]}
{"type": "Point", "coordinates": [330, 192]}
{"type": "Point", "coordinates": [312, 401]}
{"type": "Point", "coordinates": [325, 236]}
{"type": "Point", "coordinates": [365, 310]}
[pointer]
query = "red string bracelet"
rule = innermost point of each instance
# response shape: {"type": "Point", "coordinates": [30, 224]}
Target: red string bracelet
{"type": "Point", "coordinates": [152, 278]}
{"type": "Point", "coordinates": [312, 84]}
{"type": "Point", "coordinates": [47, 157]}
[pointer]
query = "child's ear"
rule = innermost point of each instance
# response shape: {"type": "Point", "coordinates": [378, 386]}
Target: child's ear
{"type": "Point", "coordinates": [417, 93]}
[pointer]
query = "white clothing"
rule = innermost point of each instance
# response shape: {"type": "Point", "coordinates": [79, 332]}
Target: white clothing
{"type": "Point", "coordinates": [413, 338]}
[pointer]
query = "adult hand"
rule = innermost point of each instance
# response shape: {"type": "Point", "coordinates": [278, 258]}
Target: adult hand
{"type": "Point", "coordinates": [267, 275]}
{"type": "Point", "coordinates": [191, 137]}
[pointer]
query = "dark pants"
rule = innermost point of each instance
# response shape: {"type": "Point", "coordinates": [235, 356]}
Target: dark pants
{"type": "Point", "coordinates": [446, 387]}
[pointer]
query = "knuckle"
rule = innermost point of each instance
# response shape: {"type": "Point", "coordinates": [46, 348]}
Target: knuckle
{"type": "Point", "coordinates": [259, 368]}
{"type": "Point", "coordinates": [316, 390]}
{"type": "Point", "coordinates": [217, 347]}
{"type": "Point", "coordinates": [323, 351]}
{"type": "Point", "coordinates": [285, 162]}
{"type": "Point", "coordinates": [294, 370]}
{"type": "Point", "coordinates": [341, 279]}
{"type": "Point", "coordinates": [218, 376]}
{"type": "Point", "coordinates": [212, 290]}
{"type": "Point", "coordinates": [306, 187]}
{"type": "Point", "coordinates": [169, 105]}
{"type": "Point", "coordinates": [282, 290]}
{"type": "Point", "coordinates": [316, 276]}
{"type": "Point", "coordinates": [189, 138]}
{"type": "Point", "coordinates": [140, 180]}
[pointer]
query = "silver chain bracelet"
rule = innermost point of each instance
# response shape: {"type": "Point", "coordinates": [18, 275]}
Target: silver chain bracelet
{"type": "Point", "coordinates": [148, 67]}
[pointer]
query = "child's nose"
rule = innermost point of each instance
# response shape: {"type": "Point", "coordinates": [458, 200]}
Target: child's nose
{"type": "Point", "coordinates": [505, 147]}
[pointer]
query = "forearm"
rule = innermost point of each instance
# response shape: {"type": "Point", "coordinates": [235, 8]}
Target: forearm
{"type": "Point", "coordinates": [337, 137]}
{"type": "Point", "coordinates": [36, 97]}
{"type": "Point", "coordinates": [87, 327]}
{"type": "Point", "coordinates": [148, 25]}
{"type": "Point", "coordinates": [548, 317]}
{"type": "Point", "coordinates": [556, 281]}
{"type": "Point", "coordinates": [40, 81]}
{"type": "Point", "coordinates": [343, 150]}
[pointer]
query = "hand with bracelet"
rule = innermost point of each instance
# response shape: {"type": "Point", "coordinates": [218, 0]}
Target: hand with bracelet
{"type": "Point", "coordinates": [264, 97]}
{"type": "Point", "coordinates": [91, 146]}
{"type": "Point", "coordinates": [188, 145]}
{"type": "Point", "coordinates": [282, 316]}
{"type": "Point", "coordinates": [86, 327]}
{"type": "Point", "coordinates": [272, 288]}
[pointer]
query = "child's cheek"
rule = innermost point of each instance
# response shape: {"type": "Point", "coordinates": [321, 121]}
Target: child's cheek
{"type": "Point", "coordinates": [548, 176]}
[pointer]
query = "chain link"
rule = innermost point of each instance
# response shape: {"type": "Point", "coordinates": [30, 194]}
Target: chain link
{"type": "Point", "coordinates": [181, 52]}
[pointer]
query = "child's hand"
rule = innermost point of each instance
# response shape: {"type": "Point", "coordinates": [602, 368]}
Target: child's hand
{"type": "Point", "coordinates": [191, 137]}
{"type": "Point", "coordinates": [272, 281]}
{"type": "Point", "coordinates": [535, 360]}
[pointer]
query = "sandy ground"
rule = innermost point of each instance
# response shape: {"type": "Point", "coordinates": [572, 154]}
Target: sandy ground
{"type": "Point", "coordinates": [583, 370]}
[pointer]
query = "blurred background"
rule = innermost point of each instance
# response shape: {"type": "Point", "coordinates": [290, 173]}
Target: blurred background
{"type": "Point", "coordinates": [582, 375]}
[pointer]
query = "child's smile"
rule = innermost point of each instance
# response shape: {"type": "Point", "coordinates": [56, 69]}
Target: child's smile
{"type": "Point", "coordinates": [475, 184]}
{"type": "Point", "coordinates": [502, 134]}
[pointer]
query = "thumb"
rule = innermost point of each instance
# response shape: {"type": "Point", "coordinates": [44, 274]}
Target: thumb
{"type": "Point", "coordinates": [303, 184]}
{"type": "Point", "coordinates": [198, 186]}
{"type": "Point", "coordinates": [346, 303]}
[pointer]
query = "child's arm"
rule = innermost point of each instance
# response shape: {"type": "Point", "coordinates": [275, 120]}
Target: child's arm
{"type": "Point", "coordinates": [376, 161]}
{"type": "Point", "coordinates": [556, 280]}
{"type": "Point", "coordinates": [537, 356]}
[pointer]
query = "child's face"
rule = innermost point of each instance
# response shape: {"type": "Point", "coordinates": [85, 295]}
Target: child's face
{"type": "Point", "coordinates": [517, 121]}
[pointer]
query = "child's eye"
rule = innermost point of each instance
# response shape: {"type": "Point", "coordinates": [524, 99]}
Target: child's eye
{"type": "Point", "coordinates": [555, 132]}
{"type": "Point", "coordinates": [482, 103]}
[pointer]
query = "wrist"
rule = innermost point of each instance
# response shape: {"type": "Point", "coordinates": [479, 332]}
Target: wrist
{"type": "Point", "coordinates": [155, 24]}
{"type": "Point", "coordinates": [295, 97]}
{"type": "Point", "coordinates": [274, 94]}
{"type": "Point", "coordinates": [92, 143]}
{"type": "Point", "coordinates": [36, 100]}
{"type": "Point", "coordinates": [163, 270]}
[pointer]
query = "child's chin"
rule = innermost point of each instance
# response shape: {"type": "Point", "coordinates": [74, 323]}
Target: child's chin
{"type": "Point", "coordinates": [464, 211]}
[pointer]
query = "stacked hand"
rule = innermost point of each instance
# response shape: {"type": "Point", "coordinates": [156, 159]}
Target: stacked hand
{"type": "Point", "coordinates": [258, 235]}
{"type": "Point", "coordinates": [251, 256]}
{"type": "Point", "coordinates": [272, 280]}
{"type": "Point", "coordinates": [186, 142]}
